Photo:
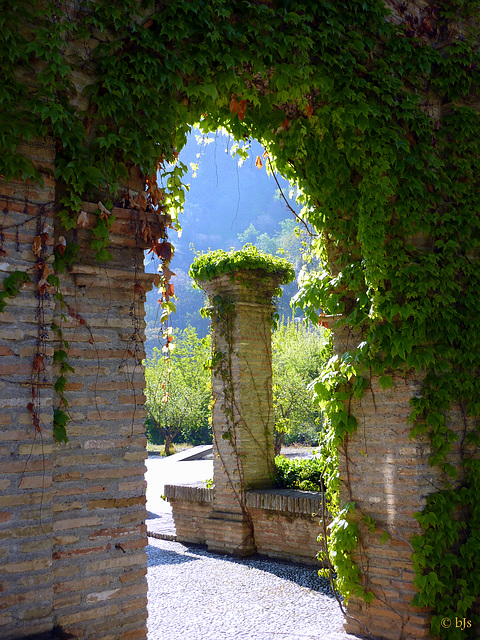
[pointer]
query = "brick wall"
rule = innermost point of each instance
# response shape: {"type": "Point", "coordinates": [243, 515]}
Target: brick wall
{"type": "Point", "coordinates": [72, 516]}
{"type": "Point", "coordinates": [286, 522]}
{"type": "Point", "coordinates": [26, 455]}
{"type": "Point", "coordinates": [388, 476]}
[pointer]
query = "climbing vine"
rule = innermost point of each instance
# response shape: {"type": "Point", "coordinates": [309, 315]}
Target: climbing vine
{"type": "Point", "coordinates": [371, 108]}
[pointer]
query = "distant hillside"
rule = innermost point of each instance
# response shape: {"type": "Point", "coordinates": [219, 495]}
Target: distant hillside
{"type": "Point", "coordinates": [225, 200]}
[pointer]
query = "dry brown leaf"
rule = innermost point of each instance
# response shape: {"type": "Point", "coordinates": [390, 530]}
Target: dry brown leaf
{"type": "Point", "coordinates": [167, 273]}
{"type": "Point", "coordinates": [37, 246]}
{"type": "Point", "coordinates": [82, 220]}
{"type": "Point", "coordinates": [147, 233]}
{"type": "Point", "coordinates": [104, 212]}
{"type": "Point", "coordinates": [141, 200]}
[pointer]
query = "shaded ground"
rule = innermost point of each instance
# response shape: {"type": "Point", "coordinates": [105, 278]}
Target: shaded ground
{"type": "Point", "coordinates": [198, 595]}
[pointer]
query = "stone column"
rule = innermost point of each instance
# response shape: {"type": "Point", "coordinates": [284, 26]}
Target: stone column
{"type": "Point", "coordinates": [243, 411]}
{"type": "Point", "coordinates": [388, 476]}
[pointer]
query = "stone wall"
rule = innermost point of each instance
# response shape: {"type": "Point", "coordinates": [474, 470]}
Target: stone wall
{"type": "Point", "coordinates": [72, 516]}
{"type": "Point", "coordinates": [286, 522]}
{"type": "Point", "coordinates": [26, 455]}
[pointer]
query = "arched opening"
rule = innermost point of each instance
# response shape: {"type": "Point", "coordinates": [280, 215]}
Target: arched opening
{"type": "Point", "coordinates": [341, 97]}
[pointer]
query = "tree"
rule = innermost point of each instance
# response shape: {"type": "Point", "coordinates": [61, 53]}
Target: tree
{"type": "Point", "coordinates": [298, 353]}
{"type": "Point", "coordinates": [178, 391]}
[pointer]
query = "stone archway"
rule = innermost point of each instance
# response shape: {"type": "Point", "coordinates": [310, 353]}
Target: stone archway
{"type": "Point", "coordinates": [72, 516]}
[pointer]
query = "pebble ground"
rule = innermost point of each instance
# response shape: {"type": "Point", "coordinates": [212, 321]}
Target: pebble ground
{"type": "Point", "coordinates": [198, 595]}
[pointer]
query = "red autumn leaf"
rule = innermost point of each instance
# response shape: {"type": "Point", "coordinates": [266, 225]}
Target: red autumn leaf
{"type": "Point", "coordinates": [284, 126]}
{"type": "Point", "coordinates": [169, 338]}
{"type": "Point", "coordinates": [31, 407]}
{"type": "Point", "coordinates": [170, 290]}
{"type": "Point", "coordinates": [243, 108]}
{"type": "Point", "coordinates": [309, 111]}
{"type": "Point", "coordinates": [37, 364]}
{"type": "Point", "coordinates": [258, 162]}
{"type": "Point", "coordinates": [148, 24]}
{"type": "Point", "coordinates": [139, 289]}
{"type": "Point", "coordinates": [76, 316]}
{"type": "Point", "coordinates": [62, 243]}
{"type": "Point", "coordinates": [238, 108]}
{"type": "Point", "coordinates": [163, 250]}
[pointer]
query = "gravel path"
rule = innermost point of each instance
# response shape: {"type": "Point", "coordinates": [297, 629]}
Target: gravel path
{"type": "Point", "coordinates": [197, 595]}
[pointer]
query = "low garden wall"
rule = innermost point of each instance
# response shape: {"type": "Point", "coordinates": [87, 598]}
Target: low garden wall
{"type": "Point", "coordinates": [285, 521]}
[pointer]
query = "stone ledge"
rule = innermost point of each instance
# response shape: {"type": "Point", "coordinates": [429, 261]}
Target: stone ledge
{"type": "Point", "coordinates": [290, 500]}
{"type": "Point", "coordinates": [193, 492]}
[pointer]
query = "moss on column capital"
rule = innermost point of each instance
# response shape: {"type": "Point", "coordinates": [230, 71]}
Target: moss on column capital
{"type": "Point", "coordinates": [247, 275]}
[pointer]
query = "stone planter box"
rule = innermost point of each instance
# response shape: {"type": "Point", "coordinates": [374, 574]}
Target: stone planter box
{"type": "Point", "coordinates": [286, 522]}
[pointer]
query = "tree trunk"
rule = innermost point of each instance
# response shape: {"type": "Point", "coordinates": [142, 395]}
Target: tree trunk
{"type": "Point", "coordinates": [168, 446]}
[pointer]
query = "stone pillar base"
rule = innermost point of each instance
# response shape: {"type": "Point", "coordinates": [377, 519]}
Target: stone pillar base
{"type": "Point", "coordinates": [228, 532]}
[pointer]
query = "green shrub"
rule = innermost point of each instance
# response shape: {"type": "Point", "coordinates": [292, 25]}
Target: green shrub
{"type": "Point", "coordinates": [304, 474]}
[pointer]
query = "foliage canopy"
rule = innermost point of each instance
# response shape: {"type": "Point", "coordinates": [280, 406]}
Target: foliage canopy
{"type": "Point", "coordinates": [374, 116]}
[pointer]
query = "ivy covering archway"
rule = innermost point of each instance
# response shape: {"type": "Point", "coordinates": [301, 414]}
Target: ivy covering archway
{"type": "Point", "coordinates": [372, 108]}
